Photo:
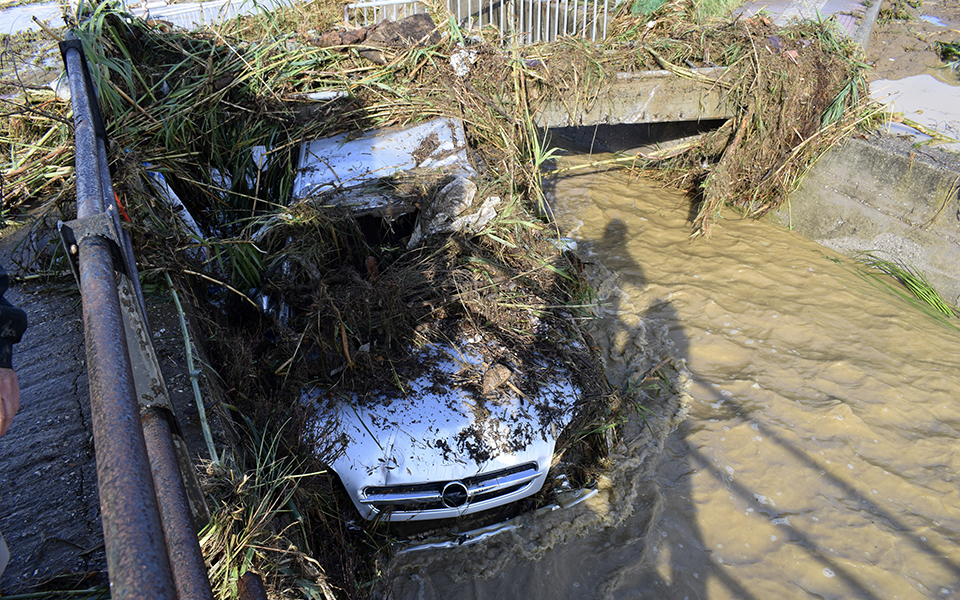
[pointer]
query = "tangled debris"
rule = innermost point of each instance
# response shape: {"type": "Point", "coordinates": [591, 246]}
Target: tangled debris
{"type": "Point", "coordinates": [797, 91]}
{"type": "Point", "coordinates": [794, 91]}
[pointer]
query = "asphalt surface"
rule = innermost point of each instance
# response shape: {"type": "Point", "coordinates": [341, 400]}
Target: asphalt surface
{"type": "Point", "coordinates": [49, 504]}
{"type": "Point", "coordinates": [853, 16]}
{"type": "Point", "coordinates": [49, 512]}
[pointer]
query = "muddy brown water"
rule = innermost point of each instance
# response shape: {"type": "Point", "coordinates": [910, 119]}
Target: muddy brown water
{"type": "Point", "coordinates": [819, 457]}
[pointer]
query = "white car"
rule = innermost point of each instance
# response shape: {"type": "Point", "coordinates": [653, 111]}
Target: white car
{"type": "Point", "coordinates": [472, 425]}
{"type": "Point", "coordinates": [465, 435]}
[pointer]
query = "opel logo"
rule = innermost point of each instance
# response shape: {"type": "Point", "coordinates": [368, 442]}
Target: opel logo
{"type": "Point", "coordinates": [454, 495]}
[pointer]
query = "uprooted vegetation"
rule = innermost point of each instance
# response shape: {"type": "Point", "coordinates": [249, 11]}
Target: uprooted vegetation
{"type": "Point", "coordinates": [196, 104]}
{"type": "Point", "coordinates": [340, 300]}
{"type": "Point", "coordinates": [793, 92]}
{"type": "Point", "coordinates": [797, 91]}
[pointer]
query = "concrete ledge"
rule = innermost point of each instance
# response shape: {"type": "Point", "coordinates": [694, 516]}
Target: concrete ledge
{"type": "Point", "coordinates": [865, 26]}
{"type": "Point", "coordinates": [642, 97]}
{"type": "Point", "coordinates": [882, 195]}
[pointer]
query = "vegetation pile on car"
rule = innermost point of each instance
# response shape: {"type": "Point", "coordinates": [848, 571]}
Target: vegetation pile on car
{"type": "Point", "coordinates": [199, 108]}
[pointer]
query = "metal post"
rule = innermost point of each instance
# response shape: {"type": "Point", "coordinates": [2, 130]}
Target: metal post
{"type": "Point", "coordinates": [529, 25]}
{"type": "Point", "coordinates": [189, 570]}
{"type": "Point", "coordinates": [141, 541]}
{"type": "Point", "coordinates": [133, 537]}
{"type": "Point", "coordinates": [539, 25]}
{"type": "Point", "coordinates": [85, 141]}
{"type": "Point", "coordinates": [606, 16]}
{"type": "Point", "coordinates": [593, 36]}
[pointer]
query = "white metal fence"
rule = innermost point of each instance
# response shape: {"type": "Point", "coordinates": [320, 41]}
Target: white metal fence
{"type": "Point", "coordinates": [370, 12]}
{"type": "Point", "coordinates": [192, 15]}
{"type": "Point", "coordinates": [529, 21]}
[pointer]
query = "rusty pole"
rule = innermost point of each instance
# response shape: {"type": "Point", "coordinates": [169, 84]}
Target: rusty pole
{"type": "Point", "coordinates": [151, 546]}
{"type": "Point", "coordinates": [133, 537]}
{"type": "Point", "coordinates": [189, 570]}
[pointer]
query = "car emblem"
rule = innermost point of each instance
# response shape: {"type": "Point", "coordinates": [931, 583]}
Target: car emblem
{"type": "Point", "coordinates": [454, 495]}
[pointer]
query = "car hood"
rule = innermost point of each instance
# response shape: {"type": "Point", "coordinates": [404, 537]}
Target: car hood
{"type": "Point", "coordinates": [442, 429]}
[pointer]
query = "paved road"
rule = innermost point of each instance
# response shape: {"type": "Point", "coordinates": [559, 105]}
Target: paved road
{"type": "Point", "coordinates": [853, 16]}
{"type": "Point", "coordinates": [49, 504]}
{"type": "Point", "coordinates": [49, 511]}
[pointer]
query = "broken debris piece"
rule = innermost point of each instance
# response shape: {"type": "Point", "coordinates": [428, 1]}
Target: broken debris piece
{"type": "Point", "coordinates": [449, 203]}
{"type": "Point", "coordinates": [345, 161]}
{"type": "Point", "coordinates": [495, 376]}
{"type": "Point", "coordinates": [414, 31]}
{"type": "Point", "coordinates": [478, 220]}
{"type": "Point", "coordinates": [449, 212]}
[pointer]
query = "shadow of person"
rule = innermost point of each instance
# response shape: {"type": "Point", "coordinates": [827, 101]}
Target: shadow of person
{"type": "Point", "coordinates": [645, 341]}
{"type": "Point", "coordinates": [642, 332]}
{"type": "Point", "coordinates": [643, 349]}
{"type": "Point", "coordinates": [679, 564]}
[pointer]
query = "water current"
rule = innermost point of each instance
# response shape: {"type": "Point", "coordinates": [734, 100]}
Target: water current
{"type": "Point", "coordinates": [819, 456]}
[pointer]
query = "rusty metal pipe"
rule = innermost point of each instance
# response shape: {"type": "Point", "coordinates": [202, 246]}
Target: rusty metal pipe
{"type": "Point", "coordinates": [250, 587]}
{"type": "Point", "coordinates": [89, 189]}
{"type": "Point", "coordinates": [152, 546]}
{"type": "Point", "coordinates": [133, 537]}
{"type": "Point", "coordinates": [186, 560]}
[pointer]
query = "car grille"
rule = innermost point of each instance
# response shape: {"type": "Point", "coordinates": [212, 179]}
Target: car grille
{"type": "Point", "coordinates": [450, 494]}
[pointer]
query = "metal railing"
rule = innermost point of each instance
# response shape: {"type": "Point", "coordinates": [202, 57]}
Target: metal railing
{"type": "Point", "coordinates": [376, 11]}
{"type": "Point", "coordinates": [526, 21]}
{"type": "Point", "coordinates": [151, 544]}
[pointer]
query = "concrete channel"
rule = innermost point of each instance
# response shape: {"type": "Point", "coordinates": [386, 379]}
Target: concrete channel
{"type": "Point", "coordinates": [884, 196]}
{"type": "Point", "coordinates": [880, 194]}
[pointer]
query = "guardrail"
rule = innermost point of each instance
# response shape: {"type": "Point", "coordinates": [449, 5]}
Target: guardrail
{"type": "Point", "coordinates": [151, 544]}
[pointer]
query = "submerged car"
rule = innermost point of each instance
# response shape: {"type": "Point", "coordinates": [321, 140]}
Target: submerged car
{"type": "Point", "coordinates": [465, 435]}
{"type": "Point", "coordinates": [471, 419]}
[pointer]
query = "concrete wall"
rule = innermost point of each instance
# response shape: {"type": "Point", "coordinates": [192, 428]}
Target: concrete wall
{"type": "Point", "coordinates": [882, 195]}
{"type": "Point", "coordinates": [642, 97]}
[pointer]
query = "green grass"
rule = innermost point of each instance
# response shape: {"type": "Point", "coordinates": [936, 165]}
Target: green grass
{"type": "Point", "coordinates": [949, 53]}
{"type": "Point", "coordinates": [646, 7]}
{"type": "Point", "coordinates": [704, 9]}
{"type": "Point", "coordinates": [914, 287]}
{"type": "Point", "coordinates": [707, 9]}
{"type": "Point", "coordinates": [255, 522]}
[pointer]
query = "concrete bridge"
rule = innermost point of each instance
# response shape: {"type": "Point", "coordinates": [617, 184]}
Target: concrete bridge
{"type": "Point", "coordinates": [641, 97]}
{"type": "Point", "coordinates": [662, 96]}
{"type": "Point", "coordinates": [880, 194]}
